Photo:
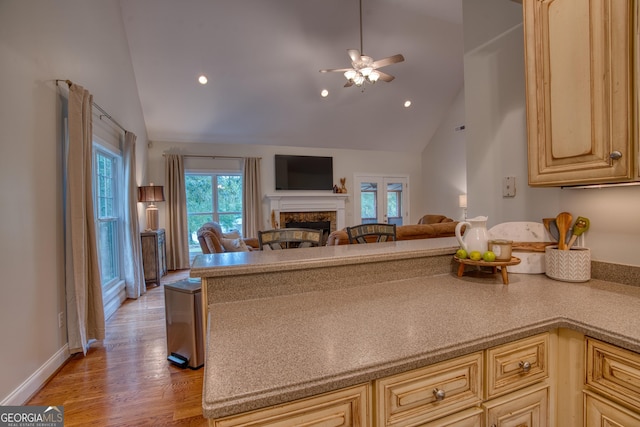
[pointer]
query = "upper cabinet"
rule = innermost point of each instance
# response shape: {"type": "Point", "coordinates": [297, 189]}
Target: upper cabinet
{"type": "Point", "coordinates": [581, 91]}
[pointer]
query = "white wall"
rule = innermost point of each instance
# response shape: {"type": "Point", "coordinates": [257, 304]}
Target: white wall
{"type": "Point", "coordinates": [345, 164]}
{"type": "Point", "coordinates": [496, 141]}
{"type": "Point", "coordinates": [444, 165]}
{"type": "Point", "coordinates": [41, 41]}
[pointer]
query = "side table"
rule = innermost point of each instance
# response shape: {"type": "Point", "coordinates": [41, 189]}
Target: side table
{"type": "Point", "coordinates": [153, 255]}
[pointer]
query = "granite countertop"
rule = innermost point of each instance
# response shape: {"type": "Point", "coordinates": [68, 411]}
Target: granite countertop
{"type": "Point", "coordinates": [268, 351]}
{"type": "Point", "coordinates": [235, 263]}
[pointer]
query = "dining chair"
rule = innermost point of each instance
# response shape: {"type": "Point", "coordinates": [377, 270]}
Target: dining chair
{"type": "Point", "coordinates": [371, 233]}
{"type": "Point", "coordinates": [289, 238]}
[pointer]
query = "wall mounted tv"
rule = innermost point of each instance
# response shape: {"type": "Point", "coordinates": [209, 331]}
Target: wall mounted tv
{"type": "Point", "coordinates": [304, 172]}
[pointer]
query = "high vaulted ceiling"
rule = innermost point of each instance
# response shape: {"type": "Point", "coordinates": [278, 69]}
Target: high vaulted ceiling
{"type": "Point", "coordinates": [262, 59]}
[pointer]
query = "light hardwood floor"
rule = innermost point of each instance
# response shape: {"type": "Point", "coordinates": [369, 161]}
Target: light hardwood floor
{"type": "Point", "coordinates": [126, 380]}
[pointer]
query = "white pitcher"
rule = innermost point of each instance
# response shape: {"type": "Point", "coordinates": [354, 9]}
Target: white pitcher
{"type": "Point", "coordinates": [475, 235]}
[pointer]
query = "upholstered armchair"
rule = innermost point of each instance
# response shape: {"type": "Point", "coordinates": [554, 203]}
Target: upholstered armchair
{"type": "Point", "coordinates": [213, 240]}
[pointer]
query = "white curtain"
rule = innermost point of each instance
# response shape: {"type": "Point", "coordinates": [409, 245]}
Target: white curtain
{"type": "Point", "coordinates": [252, 197]}
{"type": "Point", "coordinates": [176, 225]}
{"type": "Point", "coordinates": [85, 312]}
{"type": "Point", "coordinates": [133, 270]}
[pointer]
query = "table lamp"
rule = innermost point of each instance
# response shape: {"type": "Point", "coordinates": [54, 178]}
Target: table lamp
{"type": "Point", "coordinates": [151, 194]}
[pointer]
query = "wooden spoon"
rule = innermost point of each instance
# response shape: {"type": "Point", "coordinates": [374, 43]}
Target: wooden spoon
{"type": "Point", "coordinates": [563, 221]}
{"type": "Point", "coordinates": [581, 225]}
{"type": "Point", "coordinates": [551, 227]}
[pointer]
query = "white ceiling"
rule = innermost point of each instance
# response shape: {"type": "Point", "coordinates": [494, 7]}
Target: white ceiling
{"type": "Point", "coordinates": [263, 57]}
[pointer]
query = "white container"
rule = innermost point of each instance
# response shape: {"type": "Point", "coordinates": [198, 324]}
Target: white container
{"type": "Point", "coordinates": [573, 265]}
{"type": "Point", "coordinates": [502, 249]}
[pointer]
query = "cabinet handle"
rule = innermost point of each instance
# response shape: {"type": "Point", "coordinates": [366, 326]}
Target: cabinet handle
{"type": "Point", "coordinates": [615, 155]}
{"type": "Point", "coordinates": [439, 394]}
{"type": "Point", "coordinates": [526, 366]}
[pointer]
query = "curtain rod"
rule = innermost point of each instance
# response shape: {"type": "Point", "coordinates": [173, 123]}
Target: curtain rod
{"type": "Point", "coordinates": [99, 108]}
{"type": "Point", "coordinates": [210, 157]}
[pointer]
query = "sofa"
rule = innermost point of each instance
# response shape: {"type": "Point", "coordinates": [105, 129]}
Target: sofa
{"type": "Point", "coordinates": [428, 227]}
{"type": "Point", "coordinates": [213, 240]}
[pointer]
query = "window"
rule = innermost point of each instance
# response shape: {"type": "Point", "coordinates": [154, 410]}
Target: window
{"type": "Point", "coordinates": [107, 211]}
{"type": "Point", "coordinates": [213, 197]}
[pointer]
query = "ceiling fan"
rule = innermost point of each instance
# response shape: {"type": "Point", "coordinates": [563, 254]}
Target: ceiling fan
{"type": "Point", "coordinates": [364, 68]}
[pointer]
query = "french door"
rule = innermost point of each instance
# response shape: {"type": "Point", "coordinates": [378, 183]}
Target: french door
{"type": "Point", "coordinates": [381, 199]}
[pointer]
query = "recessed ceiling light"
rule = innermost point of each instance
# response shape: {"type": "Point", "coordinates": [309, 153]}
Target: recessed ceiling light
{"type": "Point", "coordinates": [407, 104]}
{"type": "Point", "coordinates": [324, 93]}
{"type": "Point", "coordinates": [203, 79]}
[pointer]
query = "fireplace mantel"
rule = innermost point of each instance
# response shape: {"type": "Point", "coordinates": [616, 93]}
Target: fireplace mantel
{"type": "Point", "coordinates": [310, 202]}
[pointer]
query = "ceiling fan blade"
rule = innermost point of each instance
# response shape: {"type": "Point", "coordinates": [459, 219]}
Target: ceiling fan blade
{"type": "Point", "coordinates": [339, 70]}
{"type": "Point", "coordinates": [385, 77]}
{"type": "Point", "coordinates": [388, 61]}
{"type": "Point", "coordinates": [348, 84]}
{"type": "Point", "coordinates": [354, 54]}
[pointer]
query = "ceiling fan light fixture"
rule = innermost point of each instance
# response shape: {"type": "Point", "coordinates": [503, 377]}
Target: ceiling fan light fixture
{"type": "Point", "coordinates": [366, 71]}
{"type": "Point", "coordinates": [358, 79]}
{"type": "Point", "coordinates": [350, 74]}
{"type": "Point", "coordinates": [373, 76]}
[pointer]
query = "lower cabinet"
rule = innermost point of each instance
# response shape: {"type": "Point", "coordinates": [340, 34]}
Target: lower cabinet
{"type": "Point", "coordinates": [612, 387]}
{"type": "Point", "coordinates": [525, 408]}
{"type": "Point", "coordinates": [348, 407]}
{"type": "Point", "coordinates": [602, 412]}
{"type": "Point", "coordinates": [505, 386]}
{"type": "Point", "coordinates": [429, 393]}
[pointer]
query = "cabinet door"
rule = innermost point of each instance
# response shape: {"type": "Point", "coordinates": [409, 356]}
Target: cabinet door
{"type": "Point", "coordinates": [150, 257]}
{"type": "Point", "coordinates": [579, 83]}
{"type": "Point", "coordinates": [526, 408]}
{"type": "Point", "coordinates": [600, 412]}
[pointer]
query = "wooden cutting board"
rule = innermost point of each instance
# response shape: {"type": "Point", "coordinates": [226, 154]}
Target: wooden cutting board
{"type": "Point", "coordinates": [529, 240]}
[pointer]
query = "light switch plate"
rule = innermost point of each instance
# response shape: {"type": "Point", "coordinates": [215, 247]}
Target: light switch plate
{"type": "Point", "coordinates": [509, 186]}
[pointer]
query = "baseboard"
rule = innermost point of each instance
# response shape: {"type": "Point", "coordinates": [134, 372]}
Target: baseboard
{"type": "Point", "coordinates": [31, 385]}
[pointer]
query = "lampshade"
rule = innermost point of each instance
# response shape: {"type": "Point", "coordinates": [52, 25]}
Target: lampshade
{"type": "Point", "coordinates": [151, 193]}
{"type": "Point", "coordinates": [462, 200]}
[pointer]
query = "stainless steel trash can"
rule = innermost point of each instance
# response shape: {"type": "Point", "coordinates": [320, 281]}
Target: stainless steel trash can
{"type": "Point", "coordinates": [183, 313]}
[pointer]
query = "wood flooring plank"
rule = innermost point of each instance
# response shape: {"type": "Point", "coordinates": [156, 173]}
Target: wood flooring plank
{"type": "Point", "coordinates": [126, 380]}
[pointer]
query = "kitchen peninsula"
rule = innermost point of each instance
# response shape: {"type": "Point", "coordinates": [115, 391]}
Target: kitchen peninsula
{"type": "Point", "coordinates": [292, 329]}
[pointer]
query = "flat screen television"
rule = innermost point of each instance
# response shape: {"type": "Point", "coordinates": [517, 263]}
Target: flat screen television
{"type": "Point", "coordinates": [304, 172]}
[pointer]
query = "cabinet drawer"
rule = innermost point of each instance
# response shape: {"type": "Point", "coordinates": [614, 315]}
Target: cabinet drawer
{"type": "Point", "coordinates": [517, 364]}
{"type": "Point", "coordinates": [614, 371]}
{"type": "Point", "coordinates": [429, 393]}
{"type": "Point", "coordinates": [342, 408]}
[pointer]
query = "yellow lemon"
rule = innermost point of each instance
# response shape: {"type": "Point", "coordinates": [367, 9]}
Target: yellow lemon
{"type": "Point", "coordinates": [475, 255]}
{"type": "Point", "coordinates": [461, 253]}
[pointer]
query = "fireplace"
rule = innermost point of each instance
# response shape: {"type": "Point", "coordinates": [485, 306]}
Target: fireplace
{"type": "Point", "coordinates": [325, 221]}
{"type": "Point", "coordinates": [308, 208]}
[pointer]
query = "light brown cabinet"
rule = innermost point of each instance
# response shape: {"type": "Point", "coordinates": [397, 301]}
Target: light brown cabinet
{"type": "Point", "coordinates": [602, 412]}
{"type": "Point", "coordinates": [525, 408]}
{"type": "Point", "coordinates": [459, 392]}
{"type": "Point", "coordinates": [153, 256]}
{"type": "Point", "coordinates": [518, 378]}
{"type": "Point", "coordinates": [581, 99]}
{"type": "Point", "coordinates": [343, 408]}
{"type": "Point", "coordinates": [429, 393]}
{"type": "Point", "coordinates": [612, 388]}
